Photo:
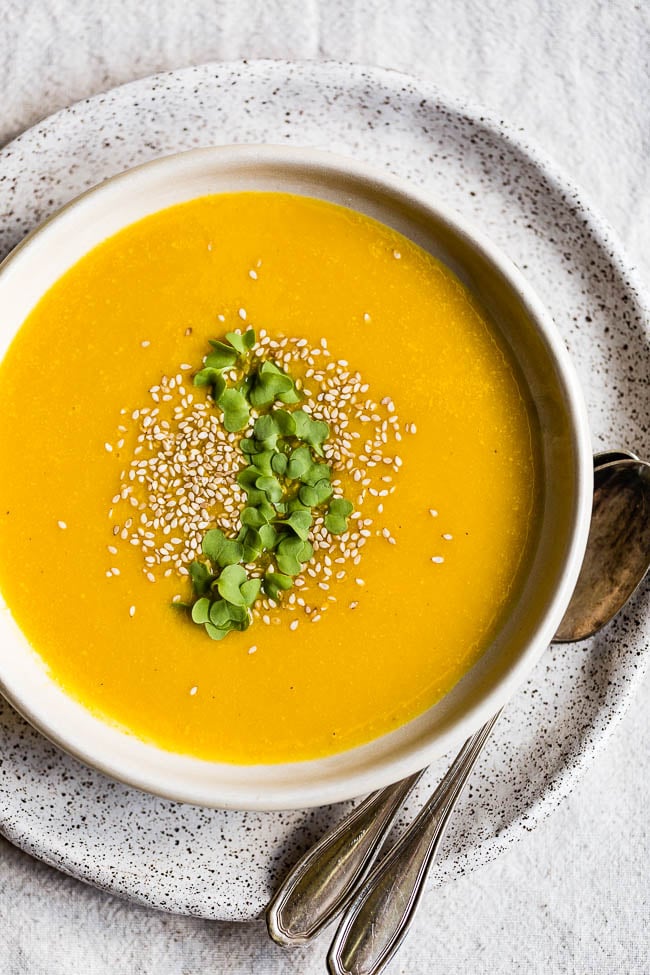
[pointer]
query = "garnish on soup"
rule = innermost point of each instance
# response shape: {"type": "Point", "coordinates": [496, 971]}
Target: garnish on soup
{"type": "Point", "coordinates": [268, 474]}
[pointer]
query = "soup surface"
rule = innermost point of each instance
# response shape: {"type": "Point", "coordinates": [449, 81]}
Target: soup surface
{"type": "Point", "coordinates": [114, 466]}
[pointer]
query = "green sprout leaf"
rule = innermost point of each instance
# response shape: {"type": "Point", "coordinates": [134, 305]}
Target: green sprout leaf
{"type": "Point", "coordinates": [275, 583]}
{"type": "Point", "coordinates": [201, 578]}
{"type": "Point", "coordinates": [269, 384]}
{"type": "Point", "coordinates": [221, 550]}
{"type": "Point", "coordinates": [254, 517]}
{"type": "Point", "coordinates": [268, 537]}
{"type": "Point", "coordinates": [215, 632]}
{"type": "Point", "coordinates": [271, 487]}
{"type": "Point", "coordinates": [230, 582]}
{"type": "Point", "coordinates": [201, 610]}
{"type": "Point", "coordinates": [285, 423]}
{"type": "Point", "coordinates": [222, 356]}
{"type": "Point", "coordinates": [279, 463]}
{"type": "Point", "coordinates": [210, 377]}
{"type": "Point", "coordinates": [242, 343]}
{"type": "Point", "coordinates": [286, 484]}
{"type": "Point", "coordinates": [213, 542]}
{"type": "Point", "coordinates": [300, 522]}
{"type": "Point", "coordinates": [299, 463]}
{"type": "Point", "coordinates": [263, 462]}
{"type": "Point", "coordinates": [341, 507]}
{"type": "Point", "coordinates": [314, 495]}
{"type": "Point", "coordinates": [313, 432]}
{"type": "Point", "coordinates": [219, 615]}
{"type": "Point", "coordinates": [265, 427]}
{"type": "Point", "coordinates": [252, 544]}
{"type": "Point", "coordinates": [336, 518]}
{"type": "Point", "coordinates": [236, 412]}
{"type": "Point", "coordinates": [250, 591]}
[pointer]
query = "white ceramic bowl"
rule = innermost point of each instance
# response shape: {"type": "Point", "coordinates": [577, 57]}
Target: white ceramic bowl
{"type": "Point", "coordinates": [567, 474]}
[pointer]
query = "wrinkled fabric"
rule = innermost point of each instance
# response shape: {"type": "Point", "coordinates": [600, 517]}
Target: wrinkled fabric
{"type": "Point", "coordinates": [573, 897]}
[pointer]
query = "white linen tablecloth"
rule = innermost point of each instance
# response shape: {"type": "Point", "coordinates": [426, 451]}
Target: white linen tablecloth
{"type": "Point", "coordinates": [574, 896]}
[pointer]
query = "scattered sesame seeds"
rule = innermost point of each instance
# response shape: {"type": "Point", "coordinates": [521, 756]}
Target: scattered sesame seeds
{"type": "Point", "coordinates": [62, 525]}
{"type": "Point", "coordinates": [181, 480]}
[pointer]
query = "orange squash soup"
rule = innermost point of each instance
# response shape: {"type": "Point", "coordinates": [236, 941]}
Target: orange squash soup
{"type": "Point", "coordinates": [268, 479]}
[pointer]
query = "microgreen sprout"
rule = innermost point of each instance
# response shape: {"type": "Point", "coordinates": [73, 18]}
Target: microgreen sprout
{"type": "Point", "coordinates": [286, 482]}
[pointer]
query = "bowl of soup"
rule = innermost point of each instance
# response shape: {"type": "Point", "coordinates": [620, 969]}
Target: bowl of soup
{"type": "Point", "coordinates": [295, 481]}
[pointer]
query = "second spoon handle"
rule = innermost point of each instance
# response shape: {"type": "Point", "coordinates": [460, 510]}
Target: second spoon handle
{"type": "Point", "coordinates": [324, 879]}
{"type": "Point", "coordinates": [383, 907]}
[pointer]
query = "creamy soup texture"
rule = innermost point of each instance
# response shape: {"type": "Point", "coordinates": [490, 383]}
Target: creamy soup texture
{"type": "Point", "coordinates": [431, 438]}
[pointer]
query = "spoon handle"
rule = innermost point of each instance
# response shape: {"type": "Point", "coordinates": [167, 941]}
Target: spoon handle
{"type": "Point", "coordinates": [325, 878]}
{"type": "Point", "coordinates": [384, 906]}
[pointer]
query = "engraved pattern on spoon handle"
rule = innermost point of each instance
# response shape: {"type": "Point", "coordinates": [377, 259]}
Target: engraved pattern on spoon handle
{"type": "Point", "coordinates": [382, 910]}
{"type": "Point", "coordinates": [324, 880]}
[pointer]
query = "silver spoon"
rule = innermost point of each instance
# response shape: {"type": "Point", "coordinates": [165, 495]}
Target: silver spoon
{"type": "Point", "coordinates": [323, 882]}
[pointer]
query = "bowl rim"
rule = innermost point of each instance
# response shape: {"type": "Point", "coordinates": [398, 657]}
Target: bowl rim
{"type": "Point", "coordinates": [246, 794]}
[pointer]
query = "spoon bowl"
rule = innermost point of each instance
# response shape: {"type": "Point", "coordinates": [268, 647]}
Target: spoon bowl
{"type": "Point", "coordinates": [618, 550]}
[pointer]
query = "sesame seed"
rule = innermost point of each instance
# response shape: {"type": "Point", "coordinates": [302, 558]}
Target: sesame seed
{"type": "Point", "coordinates": [252, 649]}
{"type": "Point", "coordinates": [437, 559]}
{"type": "Point", "coordinates": [145, 344]}
{"type": "Point", "coordinates": [448, 537]}
{"type": "Point", "coordinates": [193, 691]}
{"type": "Point", "coordinates": [396, 255]}
{"type": "Point", "coordinates": [62, 525]}
{"type": "Point", "coordinates": [366, 317]}
{"type": "Point", "coordinates": [293, 625]}
{"type": "Point", "coordinates": [252, 274]}
{"type": "Point", "coordinates": [433, 512]}
{"type": "Point", "coordinates": [108, 447]}
{"type": "Point", "coordinates": [242, 314]}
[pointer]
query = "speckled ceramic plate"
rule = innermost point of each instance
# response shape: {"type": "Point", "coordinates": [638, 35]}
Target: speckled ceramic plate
{"type": "Point", "coordinates": [225, 864]}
